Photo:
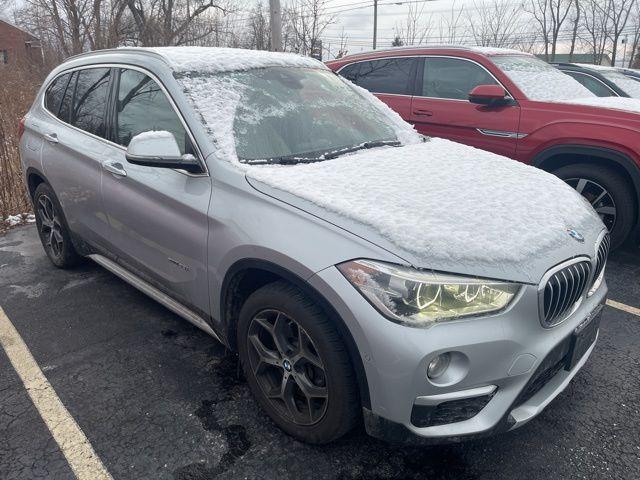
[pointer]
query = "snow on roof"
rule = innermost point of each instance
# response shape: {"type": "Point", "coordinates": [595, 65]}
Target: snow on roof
{"type": "Point", "coordinates": [594, 67]}
{"type": "Point", "coordinates": [498, 51]}
{"type": "Point", "coordinates": [213, 60]}
{"type": "Point", "coordinates": [442, 200]}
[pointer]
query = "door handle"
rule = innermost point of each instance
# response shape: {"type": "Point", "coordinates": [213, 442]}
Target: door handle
{"type": "Point", "coordinates": [114, 167]}
{"type": "Point", "coordinates": [51, 137]}
{"type": "Point", "coordinates": [421, 112]}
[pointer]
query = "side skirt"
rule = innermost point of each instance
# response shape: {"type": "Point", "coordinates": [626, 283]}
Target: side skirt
{"type": "Point", "coordinates": [154, 293]}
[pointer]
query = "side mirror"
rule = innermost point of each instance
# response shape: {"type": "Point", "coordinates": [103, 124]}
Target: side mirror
{"type": "Point", "coordinates": [490, 95]}
{"type": "Point", "coordinates": [160, 149]}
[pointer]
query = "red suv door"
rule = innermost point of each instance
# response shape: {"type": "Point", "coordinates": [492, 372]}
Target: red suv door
{"type": "Point", "coordinates": [390, 79]}
{"type": "Point", "coordinates": [440, 107]}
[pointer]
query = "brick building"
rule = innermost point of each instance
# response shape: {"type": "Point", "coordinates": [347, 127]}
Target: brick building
{"type": "Point", "coordinates": [18, 45]}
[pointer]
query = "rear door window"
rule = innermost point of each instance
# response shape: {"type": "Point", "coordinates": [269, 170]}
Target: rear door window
{"type": "Point", "coordinates": [593, 84]}
{"type": "Point", "coordinates": [452, 78]}
{"type": "Point", "coordinates": [389, 75]}
{"type": "Point", "coordinates": [55, 92]}
{"type": "Point", "coordinates": [90, 100]}
{"type": "Point", "coordinates": [143, 107]}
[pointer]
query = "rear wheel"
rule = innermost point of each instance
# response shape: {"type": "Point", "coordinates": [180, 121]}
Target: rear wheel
{"type": "Point", "coordinates": [608, 193]}
{"type": "Point", "coordinates": [296, 365]}
{"type": "Point", "coordinates": [52, 228]}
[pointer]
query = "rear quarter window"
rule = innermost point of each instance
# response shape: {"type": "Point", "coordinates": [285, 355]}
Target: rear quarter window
{"type": "Point", "coordinates": [55, 92]}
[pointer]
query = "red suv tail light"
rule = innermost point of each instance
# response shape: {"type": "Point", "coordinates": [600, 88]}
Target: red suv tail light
{"type": "Point", "coordinates": [21, 127]}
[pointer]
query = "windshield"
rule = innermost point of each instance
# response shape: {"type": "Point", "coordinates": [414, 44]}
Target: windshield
{"type": "Point", "coordinates": [295, 113]}
{"type": "Point", "coordinates": [538, 80]}
{"type": "Point", "coordinates": [630, 86]}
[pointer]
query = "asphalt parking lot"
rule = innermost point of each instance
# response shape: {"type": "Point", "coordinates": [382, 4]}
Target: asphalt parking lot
{"type": "Point", "coordinates": [158, 399]}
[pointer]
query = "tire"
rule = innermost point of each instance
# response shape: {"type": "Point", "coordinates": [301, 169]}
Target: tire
{"type": "Point", "coordinates": [280, 310]}
{"type": "Point", "coordinates": [619, 192]}
{"type": "Point", "coordinates": [52, 228]}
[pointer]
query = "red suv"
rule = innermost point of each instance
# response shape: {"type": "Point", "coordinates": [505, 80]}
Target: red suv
{"type": "Point", "coordinates": [516, 105]}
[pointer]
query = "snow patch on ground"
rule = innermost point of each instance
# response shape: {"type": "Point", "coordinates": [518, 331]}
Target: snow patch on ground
{"type": "Point", "coordinates": [442, 200]}
{"type": "Point", "coordinates": [19, 219]}
{"type": "Point", "coordinates": [214, 60]}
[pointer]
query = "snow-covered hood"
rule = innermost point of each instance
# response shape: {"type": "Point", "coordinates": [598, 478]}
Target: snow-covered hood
{"type": "Point", "coordinates": [615, 103]}
{"type": "Point", "coordinates": [443, 205]}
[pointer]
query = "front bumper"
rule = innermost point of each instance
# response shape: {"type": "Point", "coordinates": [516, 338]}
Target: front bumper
{"type": "Point", "coordinates": [512, 367]}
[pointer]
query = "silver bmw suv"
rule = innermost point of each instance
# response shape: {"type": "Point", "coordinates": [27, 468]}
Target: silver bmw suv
{"type": "Point", "coordinates": [359, 270]}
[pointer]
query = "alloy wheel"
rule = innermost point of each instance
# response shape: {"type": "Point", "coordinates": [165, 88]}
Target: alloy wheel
{"type": "Point", "coordinates": [50, 226]}
{"type": "Point", "coordinates": [599, 198]}
{"type": "Point", "coordinates": [287, 366]}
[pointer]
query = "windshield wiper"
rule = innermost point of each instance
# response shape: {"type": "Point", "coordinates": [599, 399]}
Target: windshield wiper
{"type": "Point", "coordinates": [294, 160]}
{"type": "Point", "coordinates": [287, 160]}
{"type": "Point", "coordinates": [362, 146]}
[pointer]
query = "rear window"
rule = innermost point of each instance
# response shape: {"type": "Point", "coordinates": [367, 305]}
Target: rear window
{"type": "Point", "coordinates": [389, 75]}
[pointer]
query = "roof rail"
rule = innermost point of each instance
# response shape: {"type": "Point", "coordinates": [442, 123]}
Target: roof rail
{"type": "Point", "coordinates": [108, 51]}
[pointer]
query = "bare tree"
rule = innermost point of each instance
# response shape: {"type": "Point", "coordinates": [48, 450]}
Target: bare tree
{"type": "Point", "coordinates": [343, 48]}
{"type": "Point", "coordinates": [550, 16]}
{"type": "Point", "coordinates": [304, 23]}
{"type": "Point", "coordinates": [415, 29]}
{"type": "Point", "coordinates": [595, 29]}
{"type": "Point", "coordinates": [494, 24]}
{"type": "Point", "coordinates": [575, 22]}
{"type": "Point", "coordinates": [167, 22]}
{"type": "Point", "coordinates": [259, 30]}
{"type": "Point", "coordinates": [618, 13]}
{"type": "Point", "coordinates": [635, 37]}
{"type": "Point", "coordinates": [448, 28]}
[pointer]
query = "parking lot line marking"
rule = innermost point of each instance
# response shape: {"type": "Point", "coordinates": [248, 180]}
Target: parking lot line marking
{"type": "Point", "coordinates": [625, 308]}
{"type": "Point", "coordinates": [73, 443]}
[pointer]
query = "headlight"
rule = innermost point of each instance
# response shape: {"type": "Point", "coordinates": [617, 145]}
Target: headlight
{"type": "Point", "coordinates": [421, 298]}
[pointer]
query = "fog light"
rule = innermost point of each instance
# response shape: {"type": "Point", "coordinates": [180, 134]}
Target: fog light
{"type": "Point", "coordinates": [438, 365]}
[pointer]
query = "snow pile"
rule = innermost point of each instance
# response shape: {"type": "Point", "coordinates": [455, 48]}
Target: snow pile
{"type": "Point", "coordinates": [617, 103]}
{"type": "Point", "coordinates": [442, 200]}
{"type": "Point", "coordinates": [19, 219]}
{"type": "Point", "coordinates": [540, 81]}
{"type": "Point", "coordinates": [213, 60]}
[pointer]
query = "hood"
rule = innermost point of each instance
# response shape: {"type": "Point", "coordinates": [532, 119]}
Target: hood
{"type": "Point", "coordinates": [443, 206]}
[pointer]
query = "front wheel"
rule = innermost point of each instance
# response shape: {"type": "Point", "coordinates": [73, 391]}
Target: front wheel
{"type": "Point", "coordinates": [296, 365]}
{"type": "Point", "coordinates": [608, 193]}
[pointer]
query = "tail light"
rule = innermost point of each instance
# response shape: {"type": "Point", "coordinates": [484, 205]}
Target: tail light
{"type": "Point", "coordinates": [21, 127]}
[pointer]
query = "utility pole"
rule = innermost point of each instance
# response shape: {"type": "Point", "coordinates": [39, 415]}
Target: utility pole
{"type": "Point", "coordinates": [275, 22]}
{"type": "Point", "coordinates": [375, 23]}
